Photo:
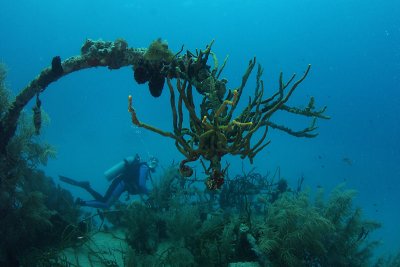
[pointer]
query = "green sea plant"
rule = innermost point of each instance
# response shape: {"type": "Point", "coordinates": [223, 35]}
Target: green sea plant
{"type": "Point", "coordinates": [182, 222]}
{"type": "Point", "coordinates": [141, 225]}
{"type": "Point", "coordinates": [166, 188]}
{"type": "Point", "coordinates": [293, 230]}
{"type": "Point", "coordinates": [214, 242]}
{"type": "Point", "coordinates": [389, 261]}
{"type": "Point", "coordinates": [349, 245]}
{"type": "Point", "coordinates": [178, 231]}
{"type": "Point", "coordinates": [297, 232]}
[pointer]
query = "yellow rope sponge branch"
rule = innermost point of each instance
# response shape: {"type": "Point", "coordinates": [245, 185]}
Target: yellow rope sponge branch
{"type": "Point", "coordinates": [225, 103]}
{"type": "Point", "coordinates": [131, 110]}
{"type": "Point", "coordinates": [242, 124]}
{"type": "Point", "coordinates": [136, 121]}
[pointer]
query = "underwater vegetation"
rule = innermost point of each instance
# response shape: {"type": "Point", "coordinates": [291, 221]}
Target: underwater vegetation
{"type": "Point", "coordinates": [297, 232]}
{"type": "Point", "coordinates": [182, 225]}
{"type": "Point", "coordinates": [187, 227]}
{"type": "Point", "coordinates": [389, 261]}
{"type": "Point", "coordinates": [33, 210]}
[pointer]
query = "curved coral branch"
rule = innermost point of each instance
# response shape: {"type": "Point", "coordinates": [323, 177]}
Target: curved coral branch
{"type": "Point", "coordinates": [113, 55]}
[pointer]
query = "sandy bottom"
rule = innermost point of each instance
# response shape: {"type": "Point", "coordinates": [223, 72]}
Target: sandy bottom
{"type": "Point", "coordinates": [101, 249]}
{"type": "Point", "coordinates": [110, 249]}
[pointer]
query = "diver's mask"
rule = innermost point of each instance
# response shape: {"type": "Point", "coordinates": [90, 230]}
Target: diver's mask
{"type": "Point", "coordinates": [152, 163]}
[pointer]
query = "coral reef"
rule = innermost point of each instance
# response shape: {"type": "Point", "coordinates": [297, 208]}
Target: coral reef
{"type": "Point", "coordinates": [293, 230]}
{"type": "Point", "coordinates": [181, 225]}
{"type": "Point", "coordinates": [256, 220]}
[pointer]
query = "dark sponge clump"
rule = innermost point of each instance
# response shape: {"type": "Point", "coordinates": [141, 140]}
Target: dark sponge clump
{"type": "Point", "coordinates": [151, 73]}
{"type": "Point", "coordinates": [141, 75]}
{"type": "Point", "coordinates": [156, 85]}
{"type": "Point", "coordinates": [56, 67]}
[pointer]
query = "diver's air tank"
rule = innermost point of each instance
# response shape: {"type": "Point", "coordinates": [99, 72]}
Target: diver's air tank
{"type": "Point", "coordinates": [116, 170]}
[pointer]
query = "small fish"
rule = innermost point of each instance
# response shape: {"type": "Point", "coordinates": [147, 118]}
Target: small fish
{"type": "Point", "coordinates": [363, 234]}
{"type": "Point", "coordinates": [348, 161]}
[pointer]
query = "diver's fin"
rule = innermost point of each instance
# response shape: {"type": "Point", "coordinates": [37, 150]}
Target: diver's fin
{"type": "Point", "coordinates": [71, 181]}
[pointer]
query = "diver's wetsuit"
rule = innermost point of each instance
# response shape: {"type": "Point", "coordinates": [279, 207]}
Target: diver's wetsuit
{"type": "Point", "coordinates": [132, 179]}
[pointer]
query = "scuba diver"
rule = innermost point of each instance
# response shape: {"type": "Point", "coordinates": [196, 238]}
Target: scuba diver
{"type": "Point", "coordinates": [129, 175]}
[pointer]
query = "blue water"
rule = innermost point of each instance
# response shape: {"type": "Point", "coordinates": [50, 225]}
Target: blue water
{"type": "Point", "coordinates": [353, 46]}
